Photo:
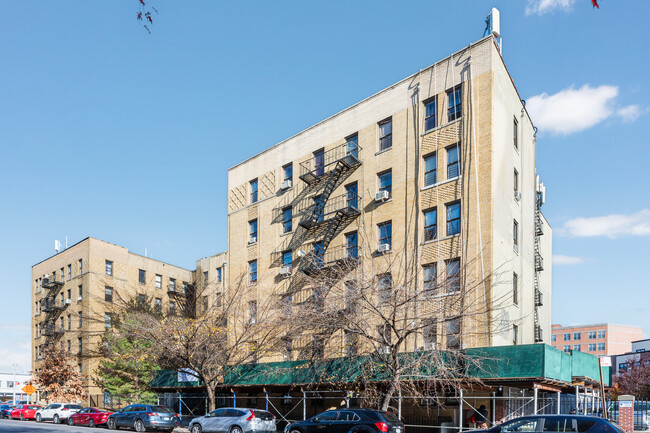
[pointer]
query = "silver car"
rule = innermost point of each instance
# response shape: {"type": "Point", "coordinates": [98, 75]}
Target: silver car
{"type": "Point", "coordinates": [234, 420]}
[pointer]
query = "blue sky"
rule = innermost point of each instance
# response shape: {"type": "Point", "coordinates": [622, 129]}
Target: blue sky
{"type": "Point", "coordinates": [111, 132]}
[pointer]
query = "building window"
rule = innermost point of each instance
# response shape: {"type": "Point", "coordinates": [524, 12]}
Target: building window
{"type": "Point", "coordinates": [219, 275]}
{"type": "Point", "coordinates": [453, 276]}
{"type": "Point", "coordinates": [515, 234]}
{"type": "Point", "coordinates": [386, 234]}
{"type": "Point", "coordinates": [352, 245]}
{"type": "Point", "coordinates": [158, 281]}
{"type": "Point", "coordinates": [515, 288]}
{"type": "Point", "coordinates": [352, 145]}
{"type": "Point", "coordinates": [386, 182]}
{"type": "Point", "coordinates": [567, 348]}
{"type": "Point", "coordinates": [287, 172]}
{"type": "Point", "coordinates": [601, 346]}
{"type": "Point", "coordinates": [253, 184]}
{"type": "Point", "coordinates": [81, 318]}
{"type": "Point", "coordinates": [430, 277]}
{"type": "Point", "coordinates": [576, 335]}
{"type": "Point", "coordinates": [142, 300]}
{"type": "Point", "coordinates": [172, 308]}
{"type": "Point", "coordinates": [205, 279]}
{"type": "Point", "coordinates": [592, 347]}
{"type": "Point", "coordinates": [172, 284]}
{"type": "Point", "coordinates": [252, 312]}
{"type": "Point", "coordinates": [218, 300]}
{"type": "Point", "coordinates": [576, 348]}
{"type": "Point", "coordinates": [319, 162]}
{"type": "Point", "coordinates": [454, 104]}
{"type": "Point", "coordinates": [62, 275]}
{"type": "Point", "coordinates": [601, 334]}
{"type": "Point", "coordinates": [453, 218]}
{"type": "Point", "coordinates": [185, 287]}
{"type": "Point", "coordinates": [80, 345]}
{"type": "Point", "coordinates": [109, 268]}
{"type": "Point", "coordinates": [515, 334]}
{"type": "Point", "coordinates": [515, 181]}
{"type": "Point", "coordinates": [430, 170]}
{"type": "Point", "coordinates": [157, 304]}
{"type": "Point", "coordinates": [567, 336]}
{"type": "Point", "coordinates": [352, 196]}
{"type": "Point", "coordinates": [252, 231]}
{"type": "Point", "coordinates": [453, 333]}
{"type": "Point", "coordinates": [69, 322]}
{"type": "Point", "coordinates": [287, 258]}
{"type": "Point", "coordinates": [69, 272]}
{"type": "Point", "coordinates": [108, 294]}
{"type": "Point", "coordinates": [252, 271]}
{"type": "Point", "coordinates": [385, 134]}
{"type": "Point", "coordinates": [515, 132]}
{"type": "Point", "coordinates": [554, 338]}
{"type": "Point", "coordinates": [287, 220]}
{"type": "Point", "coordinates": [592, 335]}
{"type": "Point", "coordinates": [453, 161]}
{"type": "Point", "coordinates": [430, 224]}
{"type": "Point", "coordinates": [430, 333]}
{"type": "Point", "coordinates": [622, 366]}
{"type": "Point", "coordinates": [108, 320]}
{"type": "Point", "coordinates": [385, 287]}
{"type": "Point", "coordinates": [81, 291]}
{"type": "Point", "coordinates": [431, 114]}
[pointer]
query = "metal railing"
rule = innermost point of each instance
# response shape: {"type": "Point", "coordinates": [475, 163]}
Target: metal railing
{"type": "Point", "coordinates": [342, 255]}
{"type": "Point", "coordinates": [347, 204]}
{"type": "Point", "coordinates": [318, 165]}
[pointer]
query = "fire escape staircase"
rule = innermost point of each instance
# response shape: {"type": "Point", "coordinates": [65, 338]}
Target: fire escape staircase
{"type": "Point", "coordinates": [539, 266]}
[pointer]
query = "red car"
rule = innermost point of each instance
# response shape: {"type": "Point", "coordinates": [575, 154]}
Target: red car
{"type": "Point", "coordinates": [24, 411]}
{"type": "Point", "coordinates": [89, 416]}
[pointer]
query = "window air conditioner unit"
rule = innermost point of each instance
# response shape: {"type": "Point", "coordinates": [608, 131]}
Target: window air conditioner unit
{"type": "Point", "coordinates": [285, 271]}
{"type": "Point", "coordinates": [517, 195]}
{"type": "Point", "coordinates": [385, 350]}
{"type": "Point", "coordinates": [286, 184]}
{"type": "Point", "coordinates": [45, 282]}
{"type": "Point", "coordinates": [66, 302]}
{"type": "Point", "coordinates": [429, 346]}
{"type": "Point", "coordinates": [383, 248]}
{"type": "Point", "coordinates": [252, 239]}
{"type": "Point", "coordinates": [79, 299]}
{"type": "Point", "coordinates": [252, 321]}
{"type": "Point", "coordinates": [382, 196]}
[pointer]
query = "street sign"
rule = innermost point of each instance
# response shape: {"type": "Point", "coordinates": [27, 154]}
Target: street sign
{"type": "Point", "coordinates": [29, 389]}
{"type": "Point", "coordinates": [605, 361]}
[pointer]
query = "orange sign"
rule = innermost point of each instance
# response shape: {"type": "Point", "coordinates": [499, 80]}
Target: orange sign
{"type": "Point", "coordinates": [29, 389]}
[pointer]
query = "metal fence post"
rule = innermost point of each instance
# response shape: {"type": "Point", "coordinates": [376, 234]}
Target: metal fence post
{"type": "Point", "coordinates": [304, 406]}
{"type": "Point", "coordinates": [266, 395]}
{"type": "Point", "coordinates": [234, 399]}
{"type": "Point", "coordinates": [460, 411]}
{"type": "Point", "coordinates": [399, 404]}
{"type": "Point", "coordinates": [559, 401]}
{"type": "Point", "coordinates": [535, 405]}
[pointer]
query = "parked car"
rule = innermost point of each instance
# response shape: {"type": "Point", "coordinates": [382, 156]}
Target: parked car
{"type": "Point", "coordinates": [234, 420]}
{"type": "Point", "coordinates": [57, 412]}
{"type": "Point", "coordinates": [556, 423]}
{"type": "Point", "coordinates": [348, 420]}
{"type": "Point", "coordinates": [5, 410]}
{"type": "Point", "coordinates": [25, 411]}
{"type": "Point", "coordinates": [143, 417]}
{"type": "Point", "coordinates": [89, 416]}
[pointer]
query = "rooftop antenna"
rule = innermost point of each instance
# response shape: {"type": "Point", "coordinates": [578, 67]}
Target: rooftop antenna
{"type": "Point", "coordinates": [57, 245]}
{"type": "Point", "coordinates": [493, 26]}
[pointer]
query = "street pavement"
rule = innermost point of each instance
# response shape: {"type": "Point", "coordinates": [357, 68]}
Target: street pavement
{"type": "Point", "coordinates": [11, 426]}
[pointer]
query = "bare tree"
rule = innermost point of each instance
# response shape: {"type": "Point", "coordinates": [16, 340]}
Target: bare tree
{"type": "Point", "coordinates": [635, 381]}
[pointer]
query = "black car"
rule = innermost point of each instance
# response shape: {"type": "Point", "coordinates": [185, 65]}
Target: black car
{"type": "Point", "coordinates": [557, 424]}
{"type": "Point", "coordinates": [5, 410]}
{"type": "Point", "coordinates": [143, 417]}
{"type": "Point", "coordinates": [349, 421]}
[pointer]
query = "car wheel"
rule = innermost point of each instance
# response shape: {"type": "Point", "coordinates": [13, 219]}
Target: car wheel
{"type": "Point", "coordinates": [22, 417]}
{"type": "Point", "coordinates": [70, 421]}
{"type": "Point", "coordinates": [111, 424]}
{"type": "Point", "coordinates": [295, 431]}
{"type": "Point", "coordinates": [196, 428]}
{"type": "Point", "coordinates": [56, 419]}
{"type": "Point", "coordinates": [139, 425]}
{"type": "Point", "coordinates": [38, 417]}
{"type": "Point", "coordinates": [91, 422]}
{"type": "Point", "coordinates": [236, 429]}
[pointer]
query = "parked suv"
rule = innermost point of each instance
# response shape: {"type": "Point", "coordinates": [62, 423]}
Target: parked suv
{"type": "Point", "coordinates": [234, 420]}
{"type": "Point", "coordinates": [348, 420]}
{"type": "Point", "coordinates": [143, 417]}
{"type": "Point", "coordinates": [57, 412]}
{"type": "Point", "coordinates": [5, 410]}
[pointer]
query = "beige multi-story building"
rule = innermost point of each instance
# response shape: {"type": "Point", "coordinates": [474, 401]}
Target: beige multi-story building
{"type": "Point", "coordinates": [439, 167]}
{"type": "Point", "coordinates": [77, 292]}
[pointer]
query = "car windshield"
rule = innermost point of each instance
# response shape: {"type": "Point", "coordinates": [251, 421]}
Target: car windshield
{"type": "Point", "coordinates": [161, 409]}
{"type": "Point", "coordinates": [520, 425]}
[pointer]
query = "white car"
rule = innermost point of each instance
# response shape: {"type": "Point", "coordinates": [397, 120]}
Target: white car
{"type": "Point", "coordinates": [57, 412]}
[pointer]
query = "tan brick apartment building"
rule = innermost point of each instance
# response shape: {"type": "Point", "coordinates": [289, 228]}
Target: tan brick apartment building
{"type": "Point", "coordinates": [598, 339]}
{"type": "Point", "coordinates": [439, 166]}
{"type": "Point", "coordinates": [76, 292]}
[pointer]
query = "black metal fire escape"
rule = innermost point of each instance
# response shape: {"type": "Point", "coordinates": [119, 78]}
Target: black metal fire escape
{"type": "Point", "coordinates": [51, 308]}
{"type": "Point", "coordinates": [539, 264]}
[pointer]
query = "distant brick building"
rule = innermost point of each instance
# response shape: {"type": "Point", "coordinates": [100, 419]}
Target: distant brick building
{"type": "Point", "coordinates": [598, 339]}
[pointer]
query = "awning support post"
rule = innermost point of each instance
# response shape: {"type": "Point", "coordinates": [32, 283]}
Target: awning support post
{"type": "Point", "coordinates": [559, 401]}
{"type": "Point", "coordinates": [535, 400]}
{"type": "Point", "coordinates": [266, 397]}
{"type": "Point", "coordinates": [304, 406]}
{"type": "Point", "coordinates": [460, 411]}
{"type": "Point", "coordinates": [399, 403]}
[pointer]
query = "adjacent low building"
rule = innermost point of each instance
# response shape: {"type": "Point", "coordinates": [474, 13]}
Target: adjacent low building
{"type": "Point", "coordinates": [11, 385]}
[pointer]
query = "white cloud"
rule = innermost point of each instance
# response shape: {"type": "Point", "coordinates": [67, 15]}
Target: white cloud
{"type": "Point", "coordinates": [16, 348]}
{"type": "Point", "coordinates": [572, 110]}
{"type": "Point", "coordinates": [541, 7]}
{"type": "Point", "coordinates": [629, 113]}
{"type": "Point", "coordinates": [612, 226]}
{"type": "Point", "coordinates": [560, 260]}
